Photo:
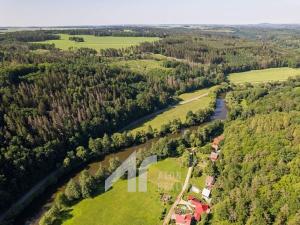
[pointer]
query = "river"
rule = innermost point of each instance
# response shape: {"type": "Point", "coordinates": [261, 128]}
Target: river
{"type": "Point", "coordinates": [32, 214]}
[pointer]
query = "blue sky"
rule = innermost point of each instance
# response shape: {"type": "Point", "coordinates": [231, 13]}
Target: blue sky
{"type": "Point", "coordinates": [100, 12]}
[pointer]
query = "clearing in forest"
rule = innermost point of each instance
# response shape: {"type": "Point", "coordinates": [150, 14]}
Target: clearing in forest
{"type": "Point", "coordinates": [191, 102]}
{"type": "Point", "coordinates": [98, 42]}
{"type": "Point", "coordinates": [266, 75]}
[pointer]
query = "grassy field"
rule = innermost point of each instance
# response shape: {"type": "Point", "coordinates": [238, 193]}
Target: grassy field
{"type": "Point", "coordinates": [118, 206]}
{"type": "Point", "coordinates": [146, 66]}
{"type": "Point", "coordinates": [260, 76]}
{"type": "Point", "coordinates": [178, 111]}
{"type": "Point", "coordinates": [98, 43]}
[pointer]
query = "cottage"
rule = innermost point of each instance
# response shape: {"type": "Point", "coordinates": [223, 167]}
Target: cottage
{"type": "Point", "coordinates": [214, 156]}
{"type": "Point", "coordinates": [209, 181]}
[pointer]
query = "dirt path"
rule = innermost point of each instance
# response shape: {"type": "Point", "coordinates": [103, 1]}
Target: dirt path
{"type": "Point", "coordinates": [193, 99]}
{"type": "Point", "coordinates": [179, 197]}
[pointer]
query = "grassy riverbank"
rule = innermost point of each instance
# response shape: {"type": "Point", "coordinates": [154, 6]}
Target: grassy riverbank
{"type": "Point", "coordinates": [194, 101]}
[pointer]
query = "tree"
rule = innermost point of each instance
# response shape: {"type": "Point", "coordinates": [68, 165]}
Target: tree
{"type": "Point", "coordinates": [114, 163]}
{"type": "Point", "coordinates": [100, 174]}
{"type": "Point", "coordinates": [61, 200]}
{"type": "Point", "coordinates": [87, 184]}
{"type": "Point", "coordinates": [81, 153]}
{"type": "Point", "coordinates": [106, 143]}
{"type": "Point", "coordinates": [50, 216]}
{"type": "Point", "coordinates": [72, 191]}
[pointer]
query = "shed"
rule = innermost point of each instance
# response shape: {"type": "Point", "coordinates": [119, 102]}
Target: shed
{"type": "Point", "coordinates": [206, 193]}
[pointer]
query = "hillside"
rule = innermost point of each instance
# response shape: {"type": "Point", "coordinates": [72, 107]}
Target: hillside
{"type": "Point", "coordinates": [259, 179]}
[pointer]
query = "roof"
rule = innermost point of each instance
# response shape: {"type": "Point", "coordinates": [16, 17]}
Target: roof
{"type": "Point", "coordinates": [206, 192]}
{"type": "Point", "coordinates": [197, 216]}
{"type": "Point", "coordinates": [200, 208]}
{"type": "Point", "coordinates": [216, 147]}
{"type": "Point", "coordinates": [218, 140]}
{"type": "Point", "coordinates": [209, 180]}
{"type": "Point", "coordinates": [183, 219]}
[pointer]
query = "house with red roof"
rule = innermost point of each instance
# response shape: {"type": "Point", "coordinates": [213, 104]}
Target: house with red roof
{"type": "Point", "coordinates": [200, 208]}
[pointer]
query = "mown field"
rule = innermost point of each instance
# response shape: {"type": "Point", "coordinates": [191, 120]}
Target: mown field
{"type": "Point", "coordinates": [179, 111]}
{"type": "Point", "coordinates": [146, 66]}
{"type": "Point", "coordinates": [98, 43]}
{"type": "Point", "coordinates": [118, 206]}
{"type": "Point", "coordinates": [260, 76]}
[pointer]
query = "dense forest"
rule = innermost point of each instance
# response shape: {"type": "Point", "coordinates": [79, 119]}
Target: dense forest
{"type": "Point", "coordinates": [259, 176]}
{"type": "Point", "coordinates": [58, 108]}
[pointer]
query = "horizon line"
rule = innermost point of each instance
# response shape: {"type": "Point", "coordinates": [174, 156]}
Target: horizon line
{"type": "Point", "coordinates": [149, 24]}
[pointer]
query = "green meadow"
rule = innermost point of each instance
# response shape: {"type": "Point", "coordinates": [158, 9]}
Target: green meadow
{"type": "Point", "coordinates": [266, 75]}
{"type": "Point", "coordinates": [179, 111]}
{"type": "Point", "coordinates": [118, 206]}
{"type": "Point", "coordinates": [145, 66]}
{"type": "Point", "coordinates": [97, 42]}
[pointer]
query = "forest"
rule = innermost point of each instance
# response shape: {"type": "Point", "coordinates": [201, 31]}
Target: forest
{"type": "Point", "coordinates": [258, 181]}
{"type": "Point", "coordinates": [60, 108]}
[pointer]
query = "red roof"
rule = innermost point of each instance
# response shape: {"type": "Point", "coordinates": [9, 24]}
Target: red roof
{"type": "Point", "coordinates": [199, 207]}
{"type": "Point", "coordinates": [183, 219]}
{"type": "Point", "coordinates": [197, 216]}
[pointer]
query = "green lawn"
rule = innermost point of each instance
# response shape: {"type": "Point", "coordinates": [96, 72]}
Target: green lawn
{"type": "Point", "coordinates": [260, 76]}
{"type": "Point", "coordinates": [98, 43]}
{"type": "Point", "coordinates": [178, 111]}
{"type": "Point", "coordinates": [117, 206]}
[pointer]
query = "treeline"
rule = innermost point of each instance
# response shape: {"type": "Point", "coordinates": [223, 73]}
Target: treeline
{"type": "Point", "coordinates": [89, 185]}
{"type": "Point", "coordinates": [118, 31]}
{"type": "Point", "coordinates": [229, 53]}
{"type": "Point", "coordinates": [259, 175]}
{"type": "Point", "coordinates": [29, 36]}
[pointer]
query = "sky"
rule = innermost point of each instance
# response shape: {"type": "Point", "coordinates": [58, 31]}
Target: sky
{"type": "Point", "coordinates": [113, 12]}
